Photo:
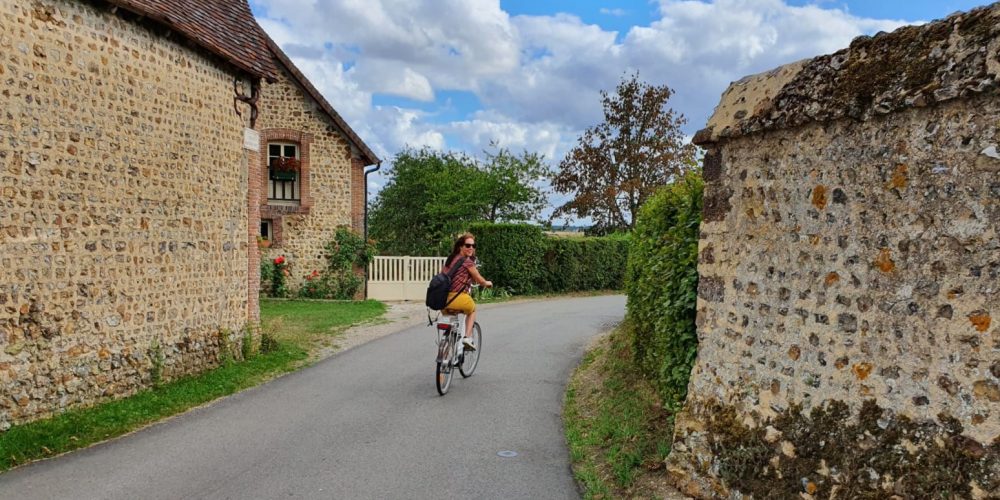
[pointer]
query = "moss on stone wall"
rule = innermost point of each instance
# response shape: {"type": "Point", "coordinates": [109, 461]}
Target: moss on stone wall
{"type": "Point", "coordinates": [829, 453]}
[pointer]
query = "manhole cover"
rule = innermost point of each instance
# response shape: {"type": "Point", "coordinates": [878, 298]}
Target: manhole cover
{"type": "Point", "coordinates": [507, 454]}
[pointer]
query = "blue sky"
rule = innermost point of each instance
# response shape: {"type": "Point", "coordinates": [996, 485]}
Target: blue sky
{"type": "Point", "coordinates": [459, 74]}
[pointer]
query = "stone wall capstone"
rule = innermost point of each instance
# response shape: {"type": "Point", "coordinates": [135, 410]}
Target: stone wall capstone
{"type": "Point", "coordinates": [123, 207]}
{"type": "Point", "coordinates": [849, 296]}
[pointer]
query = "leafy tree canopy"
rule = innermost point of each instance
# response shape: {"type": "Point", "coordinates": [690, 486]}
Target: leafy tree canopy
{"type": "Point", "coordinates": [432, 196]}
{"type": "Point", "coordinates": [619, 163]}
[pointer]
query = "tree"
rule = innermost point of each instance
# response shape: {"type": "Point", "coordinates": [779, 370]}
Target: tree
{"type": "Point", "coordinates": [432, 196]}
{"type": "Point", "coordinates": [619, 163]}
{"type": "Point", "coordinates": [508, 189]}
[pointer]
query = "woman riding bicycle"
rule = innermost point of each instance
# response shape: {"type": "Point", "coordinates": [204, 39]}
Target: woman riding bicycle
{"type": "Point", "coordinates": [459, 298]}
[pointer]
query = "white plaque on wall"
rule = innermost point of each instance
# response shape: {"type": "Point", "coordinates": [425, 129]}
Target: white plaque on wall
{"type": "Point", "coordinates": [251, 139]}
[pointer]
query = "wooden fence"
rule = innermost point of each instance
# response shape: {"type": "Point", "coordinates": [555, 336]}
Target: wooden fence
{"type": "Point", "coordinates": [401, 278]}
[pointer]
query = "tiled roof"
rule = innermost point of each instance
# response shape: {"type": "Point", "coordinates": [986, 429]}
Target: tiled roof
{"type": "Point", "coordinates": [369, 157]}
{"type": "Point", "coordinates": [224, 27]}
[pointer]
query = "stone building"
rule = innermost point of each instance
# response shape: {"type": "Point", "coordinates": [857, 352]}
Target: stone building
{"type": "Point", "coordinates": [303, 208]}
{"type": "Point", "coordinates": [129, 194]}
{"type": "Point", "coordinates": [850, 275]}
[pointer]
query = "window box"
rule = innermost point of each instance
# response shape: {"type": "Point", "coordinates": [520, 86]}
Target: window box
{"type": "Point", "coordinates": [283, 175]}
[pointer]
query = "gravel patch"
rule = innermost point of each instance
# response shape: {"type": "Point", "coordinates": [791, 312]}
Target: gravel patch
{"type": "Point", "coordinates": [398, 317]}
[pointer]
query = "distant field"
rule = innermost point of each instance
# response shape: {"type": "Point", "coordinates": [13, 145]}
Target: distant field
{"type": "Point", "coordinates": [565, 234]}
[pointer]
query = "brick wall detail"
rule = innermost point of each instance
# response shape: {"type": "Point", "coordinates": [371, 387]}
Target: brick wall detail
{"type": "Point", "coordinates": [358, 190]}
{"type": "Point", "coordinates": [276, 212]}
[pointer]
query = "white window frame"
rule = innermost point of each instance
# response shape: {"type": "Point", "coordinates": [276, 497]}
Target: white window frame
{"type": "Point", "coordinates": [274, 187]}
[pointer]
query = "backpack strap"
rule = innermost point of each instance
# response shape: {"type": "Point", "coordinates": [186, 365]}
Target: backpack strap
{"type": "Point", "coordinates": [451, 275]}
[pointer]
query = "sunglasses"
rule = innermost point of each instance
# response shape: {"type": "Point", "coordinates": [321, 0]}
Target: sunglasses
{"type": "Point", "coordinates": [470, 245]}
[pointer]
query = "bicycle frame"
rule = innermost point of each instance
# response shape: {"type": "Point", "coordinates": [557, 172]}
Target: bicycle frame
{"type": "Point", "coordinates": [451, 353]}
{"type": "Point", "coordinates": [450, 338]}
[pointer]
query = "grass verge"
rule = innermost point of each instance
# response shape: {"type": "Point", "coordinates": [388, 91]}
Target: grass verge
{"type": "Point", "coordinates": [618, 432]}
{"type": "Point", "coordinates": [298, 327]}
{"type": "Point", "coordinates": [309, 324]}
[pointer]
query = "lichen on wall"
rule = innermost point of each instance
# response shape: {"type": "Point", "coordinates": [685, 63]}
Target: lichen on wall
{"type": "Point", "coordinates": [850, 274]}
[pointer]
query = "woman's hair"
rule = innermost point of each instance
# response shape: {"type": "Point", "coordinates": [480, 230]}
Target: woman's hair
{"type": "Point", "coordinates": [457, 248]}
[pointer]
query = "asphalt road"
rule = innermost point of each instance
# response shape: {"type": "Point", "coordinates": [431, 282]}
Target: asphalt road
{"type": "Point", "coordinates": [366, 423]}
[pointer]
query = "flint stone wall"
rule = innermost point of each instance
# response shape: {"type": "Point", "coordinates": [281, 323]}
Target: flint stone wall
{"type": "Point", "coordinates": [123, 207]}
{"type": "Point", "coordinates": [850, 266]}
{"type": "Point", "coordinates": [335, 188]}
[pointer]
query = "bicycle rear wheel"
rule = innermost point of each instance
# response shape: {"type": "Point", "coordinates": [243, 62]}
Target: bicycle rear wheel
{"type": "Point", "coordinates": [446, 351]}
{"type": "Point", "coordinates": [471, 358]}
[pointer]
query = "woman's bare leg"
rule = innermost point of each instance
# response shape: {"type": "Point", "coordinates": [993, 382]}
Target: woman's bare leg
{"type": "Point", "coordinates": [470, 319]}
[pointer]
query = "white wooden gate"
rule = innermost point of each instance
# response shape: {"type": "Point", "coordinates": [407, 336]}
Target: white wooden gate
{"type": "Point", "coordinates": [401, 278]}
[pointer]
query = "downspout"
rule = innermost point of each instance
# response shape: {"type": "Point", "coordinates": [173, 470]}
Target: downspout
{"type": "Point", "coordinates": [365, 222]}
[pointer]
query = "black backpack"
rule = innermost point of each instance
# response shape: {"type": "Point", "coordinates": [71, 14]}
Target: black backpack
{"type": "Point", "coordinates": [440, 285]}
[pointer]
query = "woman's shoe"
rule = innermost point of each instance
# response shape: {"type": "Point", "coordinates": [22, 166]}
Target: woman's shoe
{"type": "Point", "coordinates": [468, 343]}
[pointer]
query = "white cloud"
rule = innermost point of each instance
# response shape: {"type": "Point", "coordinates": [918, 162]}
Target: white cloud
{"type": "Point", "coordinates": [564, 65]}
{"type": "Point", "coordinates": [391, 78]}
{"type": "Point", "coordinates": [549, 139]}
{"type": "Point", "coordinates": [613, 12]}
{"type": "Point", "coordinates": [404, 128]}
{"type": "Point", "coordinates": [698, 48]}
{"type": "Point", "coordinates": [753, 32]}
{"type": "Point", "coordinates": [451, 42]}
{"type": "Point", "coordinates": [537, 77]}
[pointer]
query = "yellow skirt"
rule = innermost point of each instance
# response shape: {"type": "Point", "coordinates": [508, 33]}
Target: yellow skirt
{"type": "Point", "coordinates": [463, 303]}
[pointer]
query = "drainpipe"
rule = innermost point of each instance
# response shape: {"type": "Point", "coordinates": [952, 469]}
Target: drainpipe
{"type": "Point", "coordinates": [365, 222]}
{"type": "Point", "coordinates": [373, 170]}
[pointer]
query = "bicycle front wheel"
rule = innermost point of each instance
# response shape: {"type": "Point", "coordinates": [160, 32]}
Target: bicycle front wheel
{"type": "Point", "coordinates": [471, 358]}
{"type": "Point", "coordinates": [446, 351]}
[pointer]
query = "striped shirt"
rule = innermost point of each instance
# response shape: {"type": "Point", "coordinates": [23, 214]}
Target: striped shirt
{"type": "Point", "coordinates": [462, 281]}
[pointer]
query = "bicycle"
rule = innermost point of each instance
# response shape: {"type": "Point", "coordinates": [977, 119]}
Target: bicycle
{"type": "Point", "coordinates": [451, 355]}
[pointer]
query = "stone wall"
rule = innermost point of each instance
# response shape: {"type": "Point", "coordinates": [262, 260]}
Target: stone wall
{"type": "Point", "coordinates": [123, 207]}
{"type": "Point", "coordinates": [329, 176]}
{"type": "Point", "coordinates": [850, 275]}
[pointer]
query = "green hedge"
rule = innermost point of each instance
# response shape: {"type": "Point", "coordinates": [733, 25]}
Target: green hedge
{"type": "Point", "coordinates": [576, 264]}
{"type": "Point", "coordinates": [511, 255]}
{"type": "Point", "coordinates": [662, 286]}
{"type": "Point", "coordinates": [521, 259]}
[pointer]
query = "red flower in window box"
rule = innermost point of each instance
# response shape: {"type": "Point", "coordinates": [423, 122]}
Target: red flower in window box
{"type": "Point", "coordinates": [279, 261]}
{"type": "Point", "coordinates": [285, 164]}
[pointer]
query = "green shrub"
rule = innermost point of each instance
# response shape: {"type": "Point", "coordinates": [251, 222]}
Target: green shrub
{"type": "Point", "coordinates": [662, 286]}
{"type": "Point", "coordinates": [510, 255]}
{"type": "Point", "coordinates": [345, 253]}
{"type": "Point", "coordinates": [521, 259]}
{"type": "Point", "coordinates": [268, 343]}
{"type": "Point", "coordinates": [576, 264]}
{"type": "Point", "coordinates": [224, 337]}
{"type": "Point", "coordinates": [266, 274]}
{"type": "Point", "coordinates": [274, 276]}
{"type": "Point", "coordinates": [487, 295]}
{"type": "Point", "coordinates": [246, 347]}
{"type": "Point", "coordinates": [157, 359]}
